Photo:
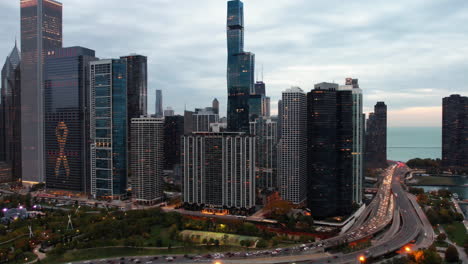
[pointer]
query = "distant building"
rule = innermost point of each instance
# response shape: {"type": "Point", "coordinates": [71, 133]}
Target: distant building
{"type": "Point", "coordinates": [200, 120]}
{"type": "Point", "coordinates": [219, 170]}
{"type": "Point", "coordinates": [376, 138]}
{"type": "Point", "coordinates": [292, 168]}
{"type": "Point", "coordinates": [260, 88]}
{"type": "Point", "coordinates": [41, 31]}
{"type": "Point", "coordinates": [169, 111]}
{"type": "Point", "coordinates": [108, 128]}
{"type": "Point", "coordinates": [255, 106]}
{"type": "Point", "coordinates": [159, 104]}
{"type": "Point", "coordinates": [173, 132]}
{"type": "Point", "coordinates": [329, 150]}
{"type": "Point", "coordinates": [218, 127]}
{"type": "Point", "coordinates": [215, 106]}
{"type": "Point", "coordinates": [147, 159]}
{"type": "Point", "coordinates": [455, 132]}
{"type": "Point", "coordinates": [66, 97]}
{"type": "Point", "coordinates": [240, 70]}
{"type": "Point", "coordinates": [266, 132]}
{"type": "Point", "coordinates": [10, 115]}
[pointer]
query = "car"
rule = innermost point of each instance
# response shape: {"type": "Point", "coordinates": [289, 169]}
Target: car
{"type": "Point", "coordinates": [169, 259]}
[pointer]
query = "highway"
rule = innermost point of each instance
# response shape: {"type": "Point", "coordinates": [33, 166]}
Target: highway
{"type": "Point", "coordinates": [393, 220]}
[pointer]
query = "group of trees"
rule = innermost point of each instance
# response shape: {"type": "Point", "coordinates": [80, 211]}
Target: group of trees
{"type": "Point", "coordinates": [433, 166]}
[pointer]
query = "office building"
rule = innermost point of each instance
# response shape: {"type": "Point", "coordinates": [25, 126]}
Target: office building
{"type": "Point", "coordinates": [169, 111]}
{"type": "Point", "coordinates": [219, 170]}
{"type": "Point", "coordinates": [376, 137]}
{"type": "Point", "coordinates": [292, 168]}
{"type": "Point", "coordinates": [137, 85]}
{"type": "Point", "coordinates": [455, 132]}
{"type": "Point", "coordinates": [240, 70]}
{"type": "Point", "coordinates": [266, 132]}
{"type": "Point", "coordinates": [66, 95]}
{"type": "Point", "coordinates": [260, 88]}
{"type": "Point", "coordinates": [215, 106]}
{"type": "Point", "coordinates": [200, 120]}
{"type": "Point", "coordinates": [256, 106]}
{"type": "Point", "coordinates": [108, 128]}
{"type": "Point", "coordinates": [173, 132]}
{"type": "Point", "coordinates": [147, 159]}
{"type": "Point", "coordinates": [41, 31]}
{"type": "Point", "coordinates": [159, 104]}
{"type": "Point", "coordinates": [10, 116]}
{"type": "Point", "coordinates": [329, 150]}
{"type": "Point", "coordinates": [358, 138]}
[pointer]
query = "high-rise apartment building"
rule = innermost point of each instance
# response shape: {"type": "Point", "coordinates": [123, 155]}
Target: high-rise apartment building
{"type": "Point", "coordinates": [376, 137]}
{"type": "Point", "coordinates": [10, 115]}
{"type": "Point", "coordinates": [173, 132]}
{"type": "Point", "coordinates": [41, 31]}
{"type": "Point", "coordinates": [159, 104]}
{"type": "Point", "coordinates": [292, 168]}
{"type": "Point", "coordinates": [329, 150]}
{"type": "Point", "coordinates": [240, 70]}
{"type": "Point", "coordinates": [108, 128]}
{"type": "Point", "coordinates": [455, 132]}
{"type": "Point", "coordinates": [219, 170]}
{"type": "Point", "coordinates": [147, 159]}
{"type": "Point", "coordinates": [358, 138]}
{"type": "Point", "coordinates": [66, 96]}
{"type": "Point", "coordinates": [266, 132]}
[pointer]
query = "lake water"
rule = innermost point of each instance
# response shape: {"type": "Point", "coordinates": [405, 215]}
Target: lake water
{"type": "Point", "coordinates": [405, 143]}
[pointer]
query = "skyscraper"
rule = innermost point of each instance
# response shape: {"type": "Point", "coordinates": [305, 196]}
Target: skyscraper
{"type": "Point", "coordinates": [41, 31]}
{"type": "Point", "coordinates": [292, 147]}
{"type": "Point", "coordinates": [240, 70]}
{"type": "Point", "coordinates": [173, 132]}
{"type": "Point", "coordinates": [376, 137]}
{"type": "Point", "coordinates": [329, 150]}
{"type": "Point", "coordinates": [260, 88]}
{"type": "Point", "coordinates": [66, 96]}
{"type": "Point", "coordinates": [200, 120]}
{"type": "Point", "coordinates": [147, 159]}
{"type": "Point", "coordinates": [358, 138]}
{"type": "Point", "coordinates": [108, 128]}
{"type": "Point", "coordinates": [215, 106]}
{"type": "Point", "coordinates": [455, 132]}
{"type": "Point", "coordinates": [219, 170]}
{"type": "Point", "coordinates": [137, 85]}
{"type": "Point", "coordinates": [266, 132]}
{"type": "Point", "coordinates": [10, 110]}
{"type": "Point", "coordinates": [159, 104]}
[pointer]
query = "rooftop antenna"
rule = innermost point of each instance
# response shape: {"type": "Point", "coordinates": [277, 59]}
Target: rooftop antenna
{"type": "Point", "coordinates": [262, 72]}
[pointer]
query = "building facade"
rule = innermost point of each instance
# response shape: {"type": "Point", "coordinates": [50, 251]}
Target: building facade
{"type": "Point", "coordinates": [173, 132]}
{"type": "Point", "coordinates": [266, 132]}
{"type": "Point", "coordinates": [219, 170]}
{"type": "Point", "coordinates": [10, 116]}
{"type": "Point", "coordinates": [292, 148]}
{"type": "Point", "coordinates": [376, 137]}
{"type": "Point", "coordinates": [329, 150]}
{"type": "Point", "coordinates": [66, 95]}
{"type": "Point", "coordinates": [200, 120]}
{"type": "Point", "coordinates": [159, 104]}
{"type": "Point", "coordinates": [108, 128]}
{"type": "Point", "coordinates": [240, 70]}
{"type": "Point", "coordinates": [147, 159]}
{"type": "Point", "coordinates": [41, 31]}
{"type": "Point", "coordinates": [455, 132]}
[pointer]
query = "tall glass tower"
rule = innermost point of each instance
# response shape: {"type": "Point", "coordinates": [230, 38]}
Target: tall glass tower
{"type": "Point", "coordinates": [240, 70]}
{"type": "Point", "coordinates": [41, 31]}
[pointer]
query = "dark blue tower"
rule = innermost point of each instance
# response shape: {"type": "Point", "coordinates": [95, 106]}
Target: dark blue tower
{"type": "Point", "coordinates": [240, 70]}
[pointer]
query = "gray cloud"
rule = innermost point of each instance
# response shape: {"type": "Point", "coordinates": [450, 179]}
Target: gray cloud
{"type": "Point", "coordinates": [407, 53]}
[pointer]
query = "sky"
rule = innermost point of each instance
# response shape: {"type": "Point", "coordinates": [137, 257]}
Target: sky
{"type": "Point", "coordinates": [408, 53]}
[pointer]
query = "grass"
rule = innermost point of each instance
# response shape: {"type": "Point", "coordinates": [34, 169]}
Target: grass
{"type": "Point", "coordinates": [223, 238]}
{"type": "Point", "coordinates": [104, 253]}
{"type": "Point", "coordinates": [456, 232]}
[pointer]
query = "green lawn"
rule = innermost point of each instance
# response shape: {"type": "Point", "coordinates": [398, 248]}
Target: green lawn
{"type": "Point", "coordinates": [102, 253]}
{"type": "Point", "coordinates": [434, 181]}
{"type": "Point", "coordinates": [456, 232]}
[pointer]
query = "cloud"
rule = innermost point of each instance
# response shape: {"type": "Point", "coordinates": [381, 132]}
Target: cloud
{"type": "Point", "coordinates": [407, 53]}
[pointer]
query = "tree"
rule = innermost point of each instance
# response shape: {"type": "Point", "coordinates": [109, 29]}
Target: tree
{"type": "Point", "coordinates": [451, 254]}
{"type": "Point", "coordinates": [442, 237]}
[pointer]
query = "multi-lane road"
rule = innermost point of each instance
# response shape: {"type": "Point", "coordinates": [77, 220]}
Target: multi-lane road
{"type": "Point", "coordinates": [393, 220]}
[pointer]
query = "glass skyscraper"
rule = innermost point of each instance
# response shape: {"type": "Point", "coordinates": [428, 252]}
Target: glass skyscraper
{"type": "Point", "coordinates": [66, 95]}
{"type": "Point", "coordinates": [108, 127]}
{"type": "Point", "coordinates": [240, 70]}
{"type": "Point", "coordinates": [41, 31]}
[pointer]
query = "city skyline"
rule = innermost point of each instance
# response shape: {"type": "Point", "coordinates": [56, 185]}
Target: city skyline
{"type": "Point", "coordinates": [335, 48]}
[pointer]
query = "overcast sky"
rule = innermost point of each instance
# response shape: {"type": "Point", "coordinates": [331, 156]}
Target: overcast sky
{"type": "Point", "coordinates": [408, 53]}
